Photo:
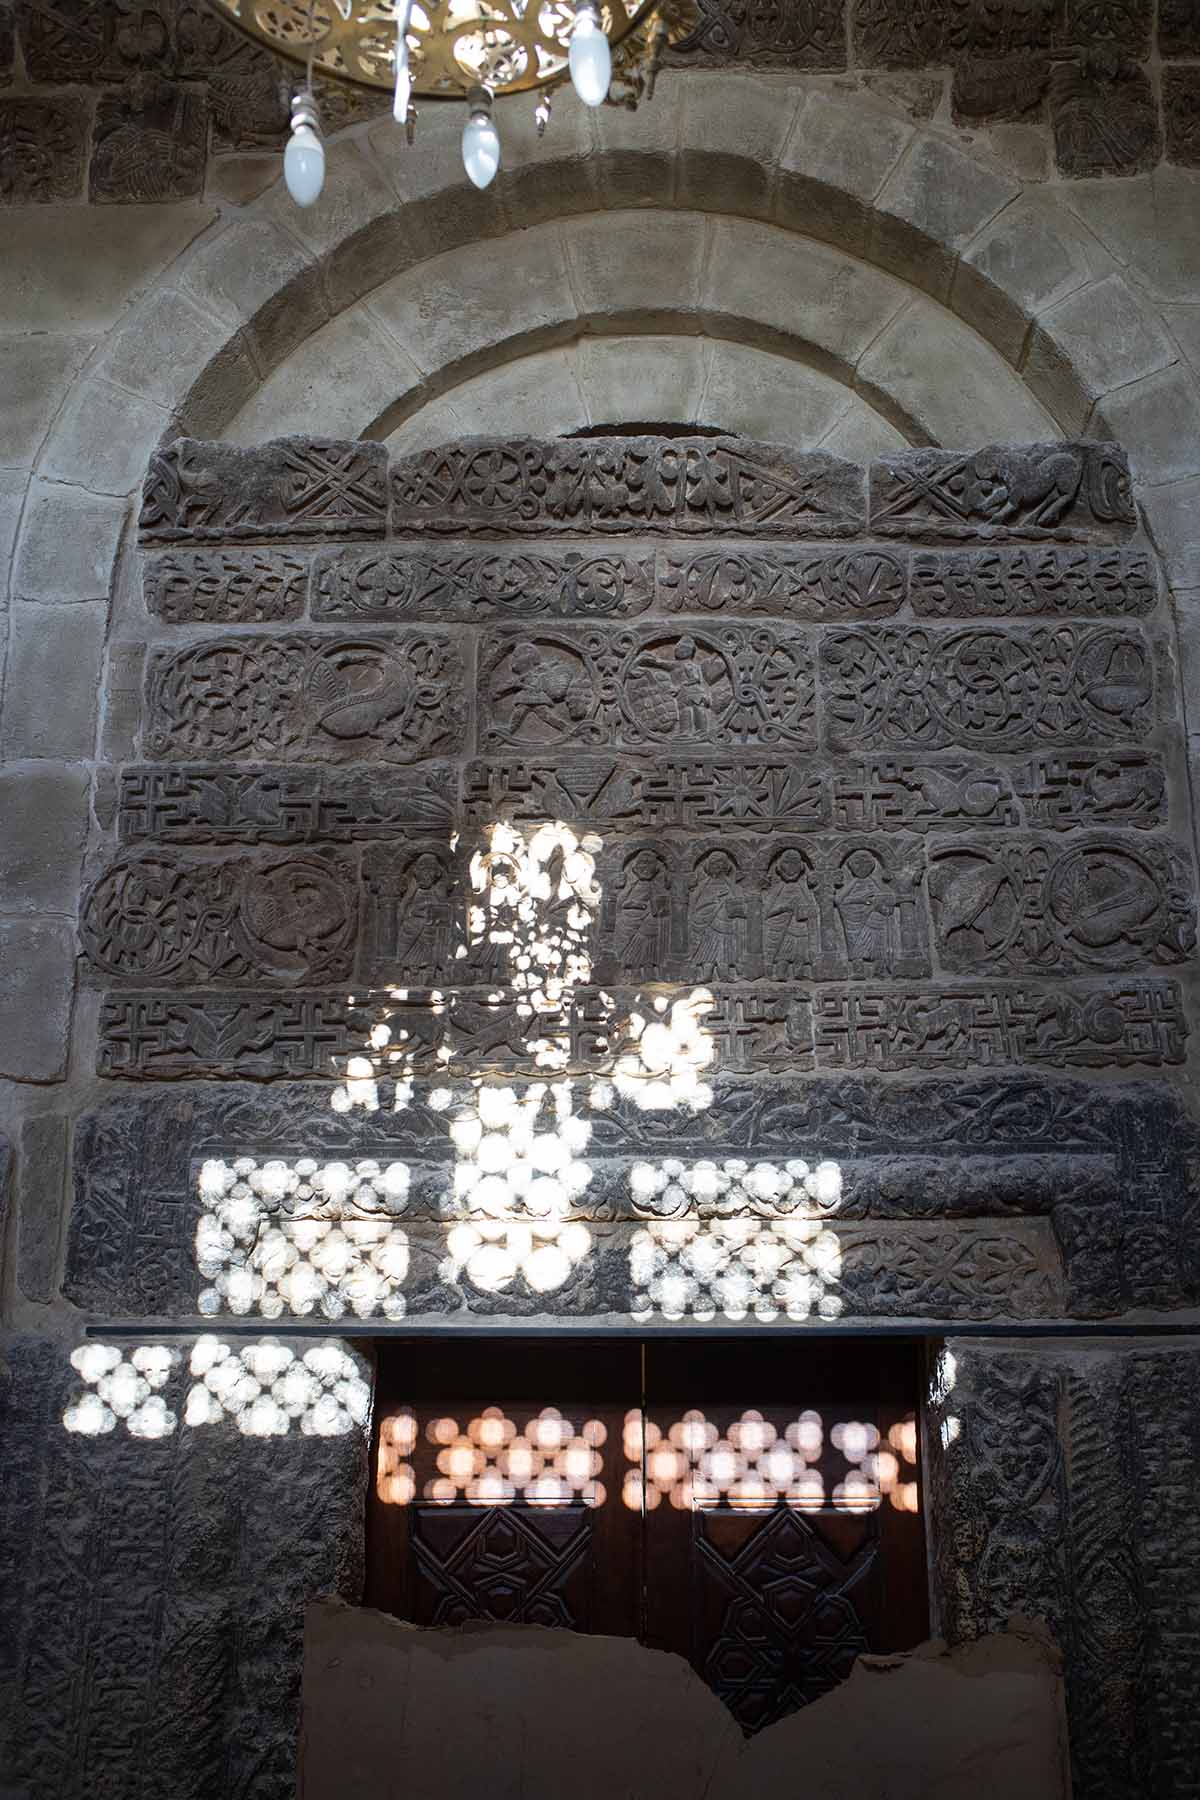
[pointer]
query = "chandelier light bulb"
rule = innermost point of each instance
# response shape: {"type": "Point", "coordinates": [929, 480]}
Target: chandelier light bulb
{"type": "Point", "coordinates": [403, 95]}
{"type": "Point", "coordinates": [304, 158]}
{"type": "Point", "coordinates": [589, 57]}
{"type": "Point", "coordinates": [480, 140]}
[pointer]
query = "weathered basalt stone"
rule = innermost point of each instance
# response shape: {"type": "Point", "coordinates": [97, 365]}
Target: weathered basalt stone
{"type": "Point", "coordinates": [685, 485]}
{"type": "Point", "coordinates": [1110, 1171]}
{"type": "Point", "coordinates": [211, 803]}
{"type": "Point", "coordinates": [175, 1571]}
{"type": "Point", "coordinates": [150, 143]}
{"type": "Point", "coordinates": [770, 1028]}
{"type": "Point", "coordinates": [293, 920]}
{"type": "Point", "coordinates": [396, 699]}
{"type": "Point", "coordinates": [1105, 118]}
{"type": "Point", "coordinates": [1069, 1488]}
{"type": "Point", "coordinates": [45, 142]}
{"type": "Point", "coordinates": [985, 688]}
{"type": "Point", "coordinates": [1181, 115]}
{"type": "Point", "coordinates": [817, 583]}
{"type": "Point", "coordinates": [225, 587]}
{"type": "Point", "coordinates": [763, 34]}
{"type": "Point", "coordinates": [75, 41]}
{"type": "Point", "coordinates": [1074, 583]}
{"type": "Point", "coordinates": [1066, 490]}
{"type": "Point", "coordinates": [1008, 88]}
{"type": "Point", "coordinates": [892, 793]}
{"type": "Point", "coordinates": [443, 584]}
{"type": "Point", "coordinates": [295, 487]}
{"type": "Point", "coordinates": [726, 686]}
{"type": "Point", "coordinates": [1104, 903]}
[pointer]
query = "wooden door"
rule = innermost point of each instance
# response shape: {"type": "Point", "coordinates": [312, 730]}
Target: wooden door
{"type": "Point", "coordinates": [752, 1506]}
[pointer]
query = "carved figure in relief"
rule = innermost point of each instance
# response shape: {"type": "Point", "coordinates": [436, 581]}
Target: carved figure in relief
{"type": "Point", "coordinates": [691, 689]}
{"type": "Point", "coordinates": [1123, 787]}
{"type": "Point", "coordinates": [539, 688]}
{"type": "Point", "coordinates": [356, 692]}
{"type": "Point", "coordinates": [791, 921]}
{"type": "Point", "coordinates": [424, 915]}
{"type": "Point", "coordinates": [868, 910]}
{"type": "Point", "coordinates": [296, 909]}
{"type": "Point", "coordinates": [719, 919]}
{"type": "Point", "coordinates": [644, 910]}
{"type": "Point", "coordinates": [1117, 678]}
{"type": "Point", "coordinates": [1038, 493]}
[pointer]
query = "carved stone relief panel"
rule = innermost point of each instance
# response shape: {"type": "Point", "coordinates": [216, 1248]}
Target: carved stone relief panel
{"type": "Point", "coordinates": [158, 1585]}
{"type": "Point", "coordinates": [1023, 582]}
{"type": "Point", "coordinates": [225, 587]}
{"type": "Point", "coordinates": [440, 583]}
{"type": "Point", "coordinates": [292, 919]}
{"type": "Point", "coordinates": [817, 583]}
{"type": "Point", "coordinates": [716, 685]}
{"type": "Point", "coordinates": [1067, 490]}
{"type": "Point", "coordinates": [297, 487]}
{"type": "Point", "coordinates": [986, 688]}
{"type": "Point", "coordinates": [1066, 1489]}
{"type": "Point", "coordinates": [395, 698]}
{"type": "Point", "coordinates": [212, 803]}
{"type": "Point", "coordinates": [682, 485]}
{"type": "Point", "coordinates": [1109, 1171]}
{"type": "Point", "coordinates": [752, 1029]}
{"type": "Point", "coordinates": [883, 793]}
{"type": "Point", "coordinates": [765, 34]}
{"type": "Point", "coordinates": [45, 143]}
{"type": "Point", "coordinates": [1102, 903]}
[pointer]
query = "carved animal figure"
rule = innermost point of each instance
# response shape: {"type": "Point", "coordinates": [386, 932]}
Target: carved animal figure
{"type": "Point", "coordinates": [357, 693]}
{"type": "Point", "coordinates": [1037, 493]}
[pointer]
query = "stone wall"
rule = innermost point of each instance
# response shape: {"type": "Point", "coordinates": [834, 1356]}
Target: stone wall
{"type": "Point", "coordinates": [813, 259]}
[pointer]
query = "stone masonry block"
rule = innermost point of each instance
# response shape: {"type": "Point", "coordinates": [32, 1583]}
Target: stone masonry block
{"type": "Point", "coordinates": [640, 151]}
{"type": "Point", "coordinates": [758, 275]}
{"type": "Point", "coordinates": [162, 349]}
{"type": "Point", "coordinates": [937, 199]}
{"type": "Point", "coordinates": [340, 381]}
{"type": "Point", "coordinates": [102, 438]}
{"type": "Point", "coordinates": [833, 167]}
{"type": "Point", "coordinates": [34, 374]}
{"type": "Point", "coordinates": [53, 680]}
{"type": "Point", "coordinates": [535, 393]}
{"type": "Point", "coordinates": [461, 306]}
{"type": "Point", "coordinates": [642, 378]}
{"type": "Point", "coordinates": [654, 257]}
{"type": "Point", "coordinates": [765, 396]}
{"type": "Point", "coordinates": [971, 383]}
{"type": "Point", "coordinates": [733, 172]}
{"type": "Point", "coordinates": [1097, 339]}
{"type": "Point", "coordinates": [626, 485]}
{"type": "Point", "coordinates": [45, 147]}
{"type": "Point", "coordinates": [150, 143]}
{"type": "Point", "coordinates": [1029, 259]}
{"type": "Point", "coordinates": [1173, 513]}
{"type": "Point", "coordinates": [37, 976]}
{"type": "Point", "coordinates": [1157, 420]}
{"type": "Point", "coordinates": [73, 268]}
{"type": "Point", "coordinates": [43, 1202]}
{"type": "Point", "coordinates": [259, 277]}
{"type": "Point", "coordinates": [1067, 490]}
{"type": "Point", "coordinates": [293, 487]}
{"type": "Point", "coordinates": [43, 826]}
{"type": "Point", "coordinates": [67, 544]}
{"type": "Point", "coordinates": [1181, 114]}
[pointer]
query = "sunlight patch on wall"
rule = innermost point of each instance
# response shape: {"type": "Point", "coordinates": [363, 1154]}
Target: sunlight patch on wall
{"type": "Point", "coordinates": [735, 1269]}
{"type": "Point", "coordinates": [121, 1388]}
{"type": "Point", "coordinates": [489, 1462]}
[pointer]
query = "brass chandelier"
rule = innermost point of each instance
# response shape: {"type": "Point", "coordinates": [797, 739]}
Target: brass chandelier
{"type": "Point", "coordinates": [610, 50]}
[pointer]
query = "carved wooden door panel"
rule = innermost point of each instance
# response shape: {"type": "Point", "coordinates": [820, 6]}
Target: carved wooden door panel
{"type": "Point", "coordinates": [497, 1490]}
{"type": "Point", "coordinates": [753, 1507]}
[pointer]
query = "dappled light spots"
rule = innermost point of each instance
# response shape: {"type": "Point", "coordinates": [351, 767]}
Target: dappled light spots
{"type": "Point", "coordinates": [753, 1467]}
{"type": "Point", "coordinates": [269, 1390]}
{"type": "Point", "coordinates": [120, 1388]}
{"type": "Point", "coordinates": [488, 1461]}
{"type": "Point", "coordinates": [735, 1269]}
